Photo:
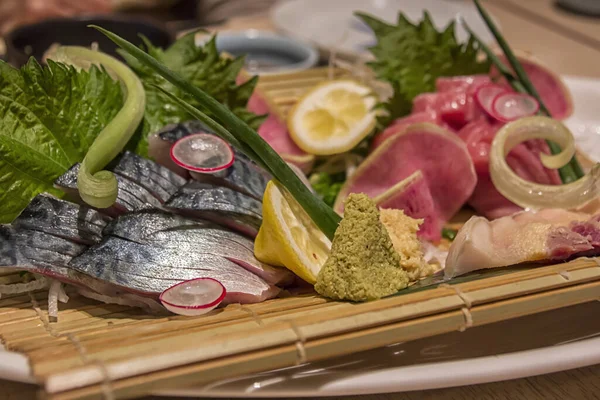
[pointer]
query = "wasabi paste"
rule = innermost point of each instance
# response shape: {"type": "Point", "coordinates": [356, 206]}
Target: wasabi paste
{"type": "Point", "coordinates": [363, 264]}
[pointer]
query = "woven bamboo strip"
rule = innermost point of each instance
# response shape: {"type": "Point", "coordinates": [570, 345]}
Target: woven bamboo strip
{"type": "Point", "coordinates": [336, 346]}
{"type": "Point", "coordinates": [354, 310]}
{"type": "Point", "coordinates": [231, 314]}
{"type": "Point", "coordinates": [192, 347]}
{"type": "Point", "coordinates": [67, 357]}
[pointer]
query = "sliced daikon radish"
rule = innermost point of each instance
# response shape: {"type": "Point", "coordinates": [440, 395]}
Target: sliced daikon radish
{"type": "Point", "coordinates": [193, 297]}
{"type": "Point", "coordinates": [202, 152]}
{"type": "Point", "coordinates": [486, 94]}
{"type": "Point", "coordinates": [508, 107]}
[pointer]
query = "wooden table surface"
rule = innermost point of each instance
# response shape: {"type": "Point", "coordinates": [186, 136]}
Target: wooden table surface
{"type": "Point", "coordinates": [571, 45]}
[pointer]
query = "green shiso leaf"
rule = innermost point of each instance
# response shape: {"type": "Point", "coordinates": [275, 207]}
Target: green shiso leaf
{"type": "Point", "coordinates": [200, 66]}
{"type": "Point", "coordinates": [49, 118]}
{"type": "Point", "coordinates": [323, 216]}
{"type": "Point", "coordinates": [412, 56]}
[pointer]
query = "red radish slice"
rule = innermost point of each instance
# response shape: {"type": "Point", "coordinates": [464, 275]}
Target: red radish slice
{"type": "Point", "coordinates": [486, 94]}
{"type": "Point", "coordinates": [508, 107]}
{"type": "Point", "coordinates": [193, 297]}
{"type": "Point", "coordinates": [202, 152]}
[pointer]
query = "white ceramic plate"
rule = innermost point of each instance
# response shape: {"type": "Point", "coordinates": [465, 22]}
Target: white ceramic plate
{"type": "Point", "coordinates": [331, 23]}
{"type": "Point", "coordinates": [585, 122]}
{"type": "Point", "coordinates": [571, 338]}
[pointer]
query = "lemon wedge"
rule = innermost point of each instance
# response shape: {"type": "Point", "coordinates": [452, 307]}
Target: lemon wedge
{"type": "Point", "coordinates": [288, 237]}
{"type": "Point", "coordinates": [333, 117]}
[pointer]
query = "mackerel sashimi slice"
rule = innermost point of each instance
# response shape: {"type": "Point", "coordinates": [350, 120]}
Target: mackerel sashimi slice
{"type": "Point", "coordinates": [412, 195]}
{"type": "Point", "coordinates": [440, 155]}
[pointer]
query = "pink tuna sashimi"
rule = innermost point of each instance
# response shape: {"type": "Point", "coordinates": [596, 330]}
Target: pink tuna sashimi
{"type": "Point", "coordinates": [467, 82]}
{"type": "Point", "coordinates": [401, 123]}
{"type": "Point", "coordinates": [412, 195]}
{"type": "Point", "coordinates": [523, 159]}
{"type": "Point", "coordinates": [551, 88]}
{"type": "Point", "coordinates": [276, 134]}
{"type": "Point", "coordinates": [543, 236]}
{"type": "Point", "coordinates": [440, 155]}
{"type": "Point", "coordinates": [455, 108]}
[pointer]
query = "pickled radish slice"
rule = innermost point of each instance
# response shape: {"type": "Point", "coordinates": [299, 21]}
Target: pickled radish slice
{"type": "Point", "coordinates": [486, 94]}
{"type": "Point", "coordinates": [193, 297]}
{"type": "Point", "coordinates": [508, 107]}
{"type": "Point", "coordinates": [202, 152]}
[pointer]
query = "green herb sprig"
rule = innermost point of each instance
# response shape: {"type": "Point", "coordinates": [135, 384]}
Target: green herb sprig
{"type": "Point", "coordinates": [229, 126]}
{"type": "Point", "coordinates": [521, 83]}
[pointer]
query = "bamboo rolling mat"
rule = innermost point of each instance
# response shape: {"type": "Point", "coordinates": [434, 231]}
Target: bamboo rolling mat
{"type": "Point", "coordinates": [112, 351]}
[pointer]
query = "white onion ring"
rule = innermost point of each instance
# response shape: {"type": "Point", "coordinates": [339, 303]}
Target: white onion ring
{"type": "Point", "coordinates": [530, 195]}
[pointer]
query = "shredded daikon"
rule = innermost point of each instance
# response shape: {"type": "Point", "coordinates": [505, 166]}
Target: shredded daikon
{"type": "Point", "coordinates": [125, 299]}
{"type": "Point", "coordinates": [18, 288]}
{"type": "Point", "coordinates": [55, 288]}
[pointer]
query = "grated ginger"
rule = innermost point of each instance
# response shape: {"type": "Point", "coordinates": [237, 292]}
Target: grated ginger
{"type": "Point", "coordinates": [403, 232]}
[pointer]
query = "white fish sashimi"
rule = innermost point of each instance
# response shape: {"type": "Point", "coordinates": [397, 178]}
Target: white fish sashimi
{"type": "Point", "coordinates": [546, 235]}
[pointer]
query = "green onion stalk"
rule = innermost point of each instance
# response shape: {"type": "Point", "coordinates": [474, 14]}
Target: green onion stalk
{"type": "Point", "coordinates": [97, 187]}
{"type": "Point", "coordinates": [232, 129]}
{"type": "Point", "coordinates": [572, 170]}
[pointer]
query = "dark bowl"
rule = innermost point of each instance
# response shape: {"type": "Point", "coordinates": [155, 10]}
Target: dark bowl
{"type": "Point", "coordinates": [35, 39]}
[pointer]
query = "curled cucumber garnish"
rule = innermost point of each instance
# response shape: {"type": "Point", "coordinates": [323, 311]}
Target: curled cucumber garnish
{"type": "Point", "coordinates": [97, 187]}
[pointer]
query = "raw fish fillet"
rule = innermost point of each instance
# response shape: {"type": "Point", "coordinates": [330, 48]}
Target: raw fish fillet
{"type": "Point", "coordinates": [439, 154]}
{"type": "Point", "coordinates": [157, 179]}
{"type": "Point", "coordinates": [244, 175]}
{"type": "Point", "coordinates": [218, 204]}
{"type": "Point", "coordinates": [402, 123]}
{"type": "Point", "coordinates": [61, 218]}
{"type": "Point", "coordinates": [37, 252]}
{"type": "Point", "coordinates": [275, 132]}
{"type": "Point", "coordinates": [543, 236]}
{"type": "Point", "coordinates": [164, 230]}
{"type": "Point", "coordinates": [149, 270]}
{"type": "Point", "coordinates": [412, 195]}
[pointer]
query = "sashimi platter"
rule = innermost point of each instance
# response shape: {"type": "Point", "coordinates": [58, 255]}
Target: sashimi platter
{"type": "Point", "coordinates": [168, 219]}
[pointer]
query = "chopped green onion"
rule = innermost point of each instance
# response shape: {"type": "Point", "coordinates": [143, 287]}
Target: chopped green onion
{"type": "Point", "coordinates": [323, 215]}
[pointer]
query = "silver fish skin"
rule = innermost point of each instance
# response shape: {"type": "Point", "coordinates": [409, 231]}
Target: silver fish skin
{"type": "Point", "coordinates": [167, 230]}
{"type": "Point", "coordinates": [243, 176]}
{"type": "Point", "coordinates": [218, 204]}
{"type": "Point", "coordinates": [158, 180]}
{"type": "Point", "coordinates": [139, 226]}
{"type": "Point", "coordinates": [150, 270]}
{"type": "Point", "coordinates": [8, 247]}
{"type": "Point", "coordinates": [61, 218]}
{"type": "Point", "coordinates": [37, 252]}
{"type": "Point", "coordinates": [130, 197]}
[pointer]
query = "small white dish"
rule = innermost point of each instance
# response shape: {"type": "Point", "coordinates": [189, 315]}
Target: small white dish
{"type": "Point", "coordinates": [266, 52]}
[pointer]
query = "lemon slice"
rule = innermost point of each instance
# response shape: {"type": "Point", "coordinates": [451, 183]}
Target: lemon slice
{"type": "Point", "coordinates": [288, 237]}
{"type": "Point", "coordinates": [333, 117]}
